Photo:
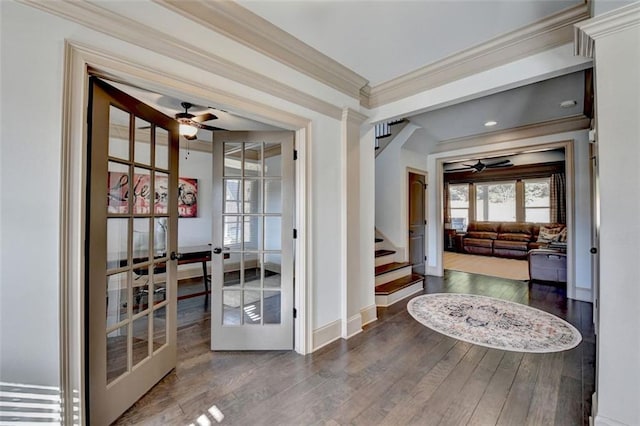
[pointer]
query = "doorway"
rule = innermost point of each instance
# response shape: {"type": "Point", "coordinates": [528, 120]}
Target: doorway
{"type": "Point", "coordinates": [158, 78]}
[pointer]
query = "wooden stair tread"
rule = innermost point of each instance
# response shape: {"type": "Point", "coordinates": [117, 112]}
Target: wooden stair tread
{"type": "Point", "coordinates": [379, 240]}
{"type": "Point", "coordinates": [397, 285]}
{"type": "Point", "coordinates": [388, 267]}
{"type": "Point", "coordinates": [380, 253]}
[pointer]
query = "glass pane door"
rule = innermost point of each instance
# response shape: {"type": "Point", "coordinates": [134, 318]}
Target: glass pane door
{"type": "Point", "coordinates": [252, 303]}
{"type": "Point", "coordinates": [131, 282]}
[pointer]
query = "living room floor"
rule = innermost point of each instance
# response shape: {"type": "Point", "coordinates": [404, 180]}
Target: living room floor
{"type": "Point", "coordinates": [395, 372]}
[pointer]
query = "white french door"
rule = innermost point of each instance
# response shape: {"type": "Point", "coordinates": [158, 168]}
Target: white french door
{"type": "Point", "coordinates": [252, 261]}
{"type": "Point", "coordinates": [131, 226]}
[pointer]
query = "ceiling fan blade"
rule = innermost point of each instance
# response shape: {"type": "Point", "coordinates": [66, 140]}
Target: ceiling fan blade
{"type": "Point", "coordinates": [204, 117]}
{"type": "Point", "coordinates": [206, 127]}
{"type": "Point", "coordinates": [463, 169]}
{"type": "Point", "coordinates": [498, 163]}
{"type": "Point", "coordinates": [498, 166]}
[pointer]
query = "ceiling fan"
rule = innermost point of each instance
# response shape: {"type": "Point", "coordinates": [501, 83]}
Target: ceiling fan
{"type": "Point", "coordinates": [480, 166]}
{"type": "Point", "coordinates": [189, 123]}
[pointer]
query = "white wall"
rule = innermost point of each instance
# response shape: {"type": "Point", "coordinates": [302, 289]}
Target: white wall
{"type": "Point", "coordinates": [32, 85]}
{"type": "Point", "coordinates": [194, 231]}
{"type": "Point", "coordinates": [391, 190]}
{"type": "Point", "coordinates": [617, 66]}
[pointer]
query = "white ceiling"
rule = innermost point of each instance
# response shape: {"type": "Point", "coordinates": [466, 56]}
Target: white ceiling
{"type": "Point", "coordinates": [384, 39]}
{"type": "Point", "coordinates": [535, 103]}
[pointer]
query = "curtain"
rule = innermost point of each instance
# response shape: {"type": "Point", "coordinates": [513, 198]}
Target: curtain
{"type": "Point", "coordinates": [447, 210]}
{"type": "Point", "coordinates": [558, 198]}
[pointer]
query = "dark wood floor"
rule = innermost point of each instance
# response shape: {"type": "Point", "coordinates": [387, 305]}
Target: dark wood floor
{"type": "Point", "coordinates": [396, 372]}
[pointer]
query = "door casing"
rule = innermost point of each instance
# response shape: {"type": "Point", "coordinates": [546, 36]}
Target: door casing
{"type": "Point", "coordinates": [79, 59]}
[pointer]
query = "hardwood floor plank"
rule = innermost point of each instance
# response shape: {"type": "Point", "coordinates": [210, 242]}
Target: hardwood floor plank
{"type": "Point", "coordinates": [403, 412]}
{"type": "Point", "coordinates": [516, 407]}
{"type": "Point", "coordinates": [463, 403]}
{"type": "Point", "coordinates": [436, 406]}
{"type": "Point", "coordinates": [395, 372]}
{"type": "Point", "coordinates": [542, 408]}
{"type": "Point", "coordinates": [488, 409]}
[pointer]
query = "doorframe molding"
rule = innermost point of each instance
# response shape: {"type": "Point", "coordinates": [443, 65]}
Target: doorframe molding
{"type": "Point", "coordinates": [438, 221]}
{"type": "Point", "coordinates": [80, 60]}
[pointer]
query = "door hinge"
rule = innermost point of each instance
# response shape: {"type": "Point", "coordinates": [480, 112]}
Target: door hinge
{"type": "Point", "coordinates": [295, 154]}
{"type": "Point", "coordinates": [425, 221]}
{"type": "Point", "coordinates": [295, 234]}
{"type": "Point", "coordinates": [295, 313]}
{"type": "Point", "coordinates": [425, 186]}
{"type": "Point", "coordinates": [425, 258]}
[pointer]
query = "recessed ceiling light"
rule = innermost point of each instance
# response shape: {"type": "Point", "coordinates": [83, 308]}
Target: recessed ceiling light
{"type": "Point", "coordinates": [568, 103]}
{"type": "Point", "coordinates": [490, 123]}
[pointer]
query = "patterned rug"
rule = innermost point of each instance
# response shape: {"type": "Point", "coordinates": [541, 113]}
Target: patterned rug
{"type": "Point", "coordinates": [494, 323]}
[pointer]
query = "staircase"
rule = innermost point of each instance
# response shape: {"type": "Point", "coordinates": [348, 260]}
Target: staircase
{"type": "Point", "coordinates": [394, 280]}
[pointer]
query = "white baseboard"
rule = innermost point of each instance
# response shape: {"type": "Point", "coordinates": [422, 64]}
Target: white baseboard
{"type": "Point", "coordinates": [353, 326]}
{"type": "Point", "coordinates": [369, 314]}
{"type": "Point", "coordinates": [434, 271]}
{"type": "Point", "coordinates": [605, 421]}
{"type": "Point", "coordinates": [326, 334]}
{"type": "Point", "coordinates": [583, 294]}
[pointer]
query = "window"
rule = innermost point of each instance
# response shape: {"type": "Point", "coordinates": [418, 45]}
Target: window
{"type": "Point", "coordinates": [537, 202]}
{"type": "Point", "coordinates": [459, 206]}
{"type": "Point", "coordinates": [496, 202]}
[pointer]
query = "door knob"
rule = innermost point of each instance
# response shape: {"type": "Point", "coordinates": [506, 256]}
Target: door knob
{"type": "Point", "coordinates": [175, 256]}
{"type": "Point", "coordinates": [593, 250]}
{"type": "Point", "coordinates": [217, 250]}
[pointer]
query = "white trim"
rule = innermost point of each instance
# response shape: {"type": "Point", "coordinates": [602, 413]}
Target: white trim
{"type": "Point", "coordinates": [550, 32]}
{"type": "Point", "coordinates": [583, 294]}
{"type": "Point", "coordinates": [326, 334]}
{"type": "Point", "coordinates": [114, 25]}
{"type": "Point", "coordinates": [353, 326]}
{"type": "Point", "coordinates": [242, 25]}
{"type": "Point", "coordinates": [78, 59]}
{"type": "Point", "coordinates": [604, 25]}
{"type": "Point", "coordinates": [303, 244]}
{"type": "Point", "coordinates": [607, 421]}
{"type": "Point", "coordinates": [551, 127]}
{"type": "Point", "coordinates": [369, 314]}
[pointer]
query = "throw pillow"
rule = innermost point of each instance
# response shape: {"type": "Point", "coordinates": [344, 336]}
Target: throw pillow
{"type": "Point", "coordinates": [550, 234]}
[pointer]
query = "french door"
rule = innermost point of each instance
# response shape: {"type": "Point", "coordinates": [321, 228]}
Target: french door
{"type": "Point", "coordinates": [131, 226]}
{"type": "Point", "coordinates": [252, 261]}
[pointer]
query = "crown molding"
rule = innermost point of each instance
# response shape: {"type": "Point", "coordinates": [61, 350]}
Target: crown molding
{"type": "Point", "coordinates": [588, 31]}
{"type": "Point", "coordinates": [115, 25]}
{"type": "Point", "coordinates": [242, 25]}
{"type": "Point", "coordinates": [551, 127]}
{"type": "Point", "coordinates": [542, 35]}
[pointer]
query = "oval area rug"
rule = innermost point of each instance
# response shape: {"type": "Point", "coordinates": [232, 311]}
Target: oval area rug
{"type": "Point", "coordinates": [494, 323]}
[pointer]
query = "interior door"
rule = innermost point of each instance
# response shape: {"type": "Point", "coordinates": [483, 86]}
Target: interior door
{"type": "Point", "coordinates": [252, 261]}
{"type": "Point", "coordinates": [131, 226]}
{"type": "Point", "coordinates": [595, 233]}
{"type": "Point", "coordinates": [417, 222]}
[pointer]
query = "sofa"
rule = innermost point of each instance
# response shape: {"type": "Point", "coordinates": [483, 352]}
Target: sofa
{"type": "Point", "coordinates": [510, 239]}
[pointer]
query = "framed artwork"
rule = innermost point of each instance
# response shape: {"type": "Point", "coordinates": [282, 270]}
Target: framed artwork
{"type": "Point", "coordinates": [145, 199]}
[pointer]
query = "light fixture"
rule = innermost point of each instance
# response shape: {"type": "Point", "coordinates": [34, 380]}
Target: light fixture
{"type": "Point", "coordinates": [568, 103]}
{"type": "Point", "coordinates": [490, 123]}
{"type": "Point", "coordinates": [187, 131]}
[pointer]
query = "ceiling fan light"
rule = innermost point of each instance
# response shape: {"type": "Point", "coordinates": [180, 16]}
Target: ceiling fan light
{"type": "Point", "coordinates": [187, 130]}
{"type": "Point", "coordinates": [490, 123]}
